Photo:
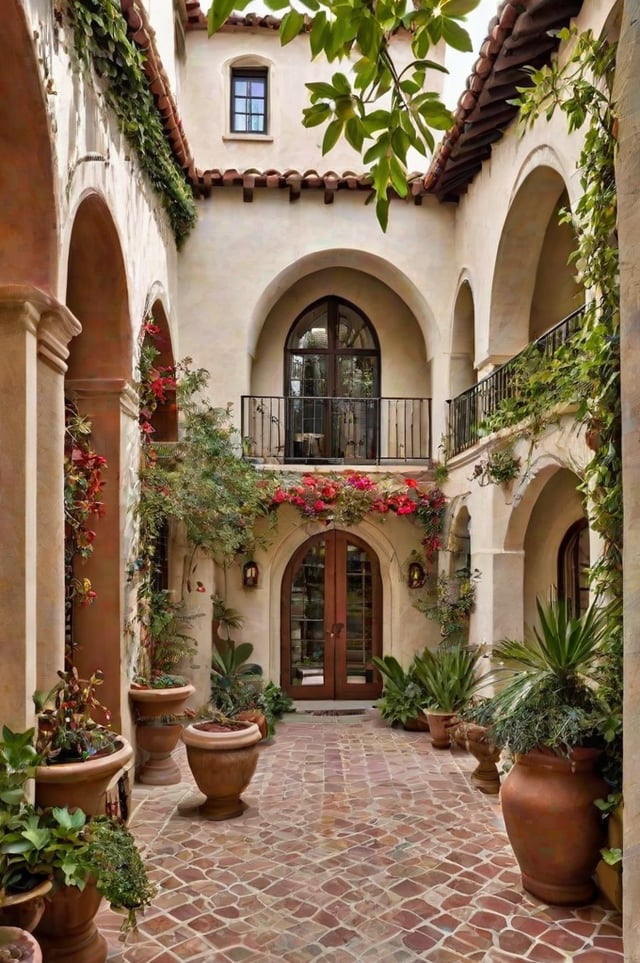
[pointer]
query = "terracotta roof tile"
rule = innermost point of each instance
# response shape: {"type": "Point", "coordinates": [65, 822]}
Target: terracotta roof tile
{"type": "Point", "coordinates": [143, 35]}
{"type": "Point", "coordinates": [331, 182]}
{"type": "Point", "coordinates": [519, 36]}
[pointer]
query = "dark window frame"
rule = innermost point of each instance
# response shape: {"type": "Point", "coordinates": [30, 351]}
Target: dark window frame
{"type": "Point", "coordinates": [240, 73]}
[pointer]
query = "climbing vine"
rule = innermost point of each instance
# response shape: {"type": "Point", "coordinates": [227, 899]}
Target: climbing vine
{"type": "Point", "coordinates": [586, 371]}
{"type": "Point", "coordinates": [100, 35]}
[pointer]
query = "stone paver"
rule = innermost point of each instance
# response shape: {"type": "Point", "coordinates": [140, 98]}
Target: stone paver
{"type": "Point", "coordinates": [360, 843]}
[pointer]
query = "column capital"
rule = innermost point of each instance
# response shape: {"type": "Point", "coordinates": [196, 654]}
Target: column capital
{"type": "Point", "coordinates": [42, 315]}
{"type": "Point", "coordinates": [106, 388]}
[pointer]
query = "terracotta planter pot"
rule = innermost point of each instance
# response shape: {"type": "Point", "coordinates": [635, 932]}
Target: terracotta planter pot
{"type": "Point", "coordinates": [20, 944]}
{"type": "Point", "coordinates": [223, 764]}
{"type": "Point", "coordinates": [473, 738]}
{"type": "Point", "coordinates": [81, 785]}
{"type": "Point", "coordinates": [554, 828]}
{"type": "Point", "coordinates": [254, 715]}
{"type": "Point", "coordinates": [439, 727]}
{"type": "Point", "coordinates": [67, 930]}
{"type": "Point", "coordinates": [159, 741]}
{"type": "Point", "coordinates": [24, 910]}
{"type": "Point", "coordinates": [152, 703]}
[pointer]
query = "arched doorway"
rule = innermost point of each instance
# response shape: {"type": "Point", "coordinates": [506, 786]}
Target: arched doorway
{"type": "Point", "coordinates": [331, 618]}
{"type": "Point", "coordinates": [332, 383]}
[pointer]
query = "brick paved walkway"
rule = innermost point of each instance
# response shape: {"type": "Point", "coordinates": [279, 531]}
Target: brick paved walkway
{"type": "Point", "coordinates": [361, 842]}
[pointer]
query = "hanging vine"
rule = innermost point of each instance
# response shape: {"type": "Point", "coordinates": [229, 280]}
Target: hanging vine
{"type": "Point", "coordinates": [101, 40]}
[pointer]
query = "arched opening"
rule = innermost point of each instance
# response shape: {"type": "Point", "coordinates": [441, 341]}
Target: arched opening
{"type": "Point", "coordinates": [534, 287]}
{"type": "Point", "coordinates": [463, 406]}
{"type": "Point", "coordinates": [558, 509]}
{"type": "Point", "coordinates": [331, 619]}
{"type": "Point", "coordinates": [98, 383]}
{"type": "Point", "coordinates": [332, 381]}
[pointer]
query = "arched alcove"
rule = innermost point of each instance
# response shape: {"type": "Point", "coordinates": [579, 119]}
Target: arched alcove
{"type": "Point", "coordinates": [99, 383]}
{"type": "Point", "coordinates": [533, 285]}
{"type": "Point", "coordinates": [538, 525]}
{"type": "Point", "coordinates": [97, 295]}
{"type": "Point", "coordinates": [462, 373]}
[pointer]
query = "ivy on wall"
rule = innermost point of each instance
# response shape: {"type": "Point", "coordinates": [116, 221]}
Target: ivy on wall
{"type": "Point", "coordinates": [586, 371]}
{"type": "Point", "coordinates": [101, 41]}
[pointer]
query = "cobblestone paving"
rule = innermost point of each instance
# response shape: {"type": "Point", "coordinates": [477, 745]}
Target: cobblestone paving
{"type": "Point", "coordinates": [360, 842]}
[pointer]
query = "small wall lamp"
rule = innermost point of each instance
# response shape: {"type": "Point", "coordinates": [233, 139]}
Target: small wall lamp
{"type": "Point", "coordinates": [416, 576]}
{"type": "Point", "coordinates": [250, 573]}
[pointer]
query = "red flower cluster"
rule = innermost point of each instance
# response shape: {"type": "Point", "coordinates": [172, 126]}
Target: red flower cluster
{"type": "Point", "coordinates": [348, 498]}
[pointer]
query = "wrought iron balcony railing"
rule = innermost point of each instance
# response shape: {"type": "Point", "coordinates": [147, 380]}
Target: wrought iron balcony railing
{"type": "Point", "coordinates": [470, 409]}
{"type": "Point", "coordinates": [350, 431]}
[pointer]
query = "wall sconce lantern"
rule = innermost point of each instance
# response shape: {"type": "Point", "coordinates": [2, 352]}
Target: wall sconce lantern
{"type": "Point", "coordinates": [250, 574]}
{"type": "Point", "coordinates": [416, 576]}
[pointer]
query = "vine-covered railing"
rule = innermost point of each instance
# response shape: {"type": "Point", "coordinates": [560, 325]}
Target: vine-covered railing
{"type": "Point", "coordinates": [470, 410]}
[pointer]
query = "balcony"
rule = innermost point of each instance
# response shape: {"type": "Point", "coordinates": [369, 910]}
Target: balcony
{"type": "Point", "coordinates": [469, 411]}
{"type": "Point", "coordinates": [336, 431]}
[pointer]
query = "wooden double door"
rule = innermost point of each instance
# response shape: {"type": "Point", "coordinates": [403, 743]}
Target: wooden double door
{"type": "Point", "coordinates": [331, 619]}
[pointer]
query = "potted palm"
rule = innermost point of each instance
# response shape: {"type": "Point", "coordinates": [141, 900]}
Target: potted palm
{"type": "Point", "coordinates": [552, 717]}
{"type": "Point", "coordinates": [450, 676]}
{"type": "Point", "coordinates": [158, 694]}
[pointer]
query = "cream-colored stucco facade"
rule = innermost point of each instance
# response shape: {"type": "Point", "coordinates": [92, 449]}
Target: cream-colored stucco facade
{"type": "Point", "coordinates": [451, 291]}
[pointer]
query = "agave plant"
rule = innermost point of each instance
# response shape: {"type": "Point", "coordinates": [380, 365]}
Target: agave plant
{"type": "Point", "coordinates": [553, 699]}
{"type": "Point", "coordinates": [450, 675]}
{"type": "Point", "coordinates": [235, 682]}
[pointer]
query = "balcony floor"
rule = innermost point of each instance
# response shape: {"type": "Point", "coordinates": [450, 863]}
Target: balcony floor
{"type": "Point", "coordinates": [360, 842]}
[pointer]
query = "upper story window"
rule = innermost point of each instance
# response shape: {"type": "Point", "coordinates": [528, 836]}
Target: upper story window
{"type": "Point", "coordinates": [249, 90]}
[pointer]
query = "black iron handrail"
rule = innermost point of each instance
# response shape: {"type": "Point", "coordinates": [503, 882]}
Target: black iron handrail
{"type": "Point", "coordinates": [328, 430]}
{"type": "Point", "coordinates": [469, 409]}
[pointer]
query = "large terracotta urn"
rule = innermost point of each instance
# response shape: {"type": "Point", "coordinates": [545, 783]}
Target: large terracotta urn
{"type": "Point", "coordinates": [158, 732]}
{"type": "Point", "coordinates": [67, 931]}
{"type": "Point", "coordinates": [554, 828]}
{"type": "Point", "coordinates": [223, 760]}
{"type": "Point", "coordinates": [81, 785]}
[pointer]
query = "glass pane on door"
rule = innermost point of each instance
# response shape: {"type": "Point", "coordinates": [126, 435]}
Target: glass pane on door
{"type": "Point", "coordinates": [359, 617]}
{"type": "Point", "coordinates": [307, 619]}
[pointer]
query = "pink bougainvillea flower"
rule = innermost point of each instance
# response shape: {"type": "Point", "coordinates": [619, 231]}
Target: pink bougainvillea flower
{"type": "Point", "coordinates": [319, 505]}
{"type": "Point", "coordinates": [411, 483]}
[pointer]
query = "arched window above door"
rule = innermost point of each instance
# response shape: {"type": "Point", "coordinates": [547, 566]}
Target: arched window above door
{"type": "Point", "coordinates": [332, 384]}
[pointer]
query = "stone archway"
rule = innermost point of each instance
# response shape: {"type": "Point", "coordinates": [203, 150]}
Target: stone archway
{"type": "Point", "coordinates": [533, 286]}
{"type": "Point", "coordinates": [99, 382]}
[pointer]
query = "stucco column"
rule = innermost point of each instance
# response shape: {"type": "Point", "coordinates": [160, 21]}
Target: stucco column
{"type": "Point", "coordinates": [54, 333]}
{"type": "Point", "coordinates": [34, 332]}
{"type": "Point", "coordinates": [498, 612]}
{"type": "Point", "coordinates": [627, 96]}
{"type": "Point", "coordinates": [98, 628]}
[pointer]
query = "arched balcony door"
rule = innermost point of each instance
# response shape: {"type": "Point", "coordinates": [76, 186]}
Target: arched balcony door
{"type": "Point", "coordinates": [332, 385]}
{"type": "Point", "coordinates": [331, 619]}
